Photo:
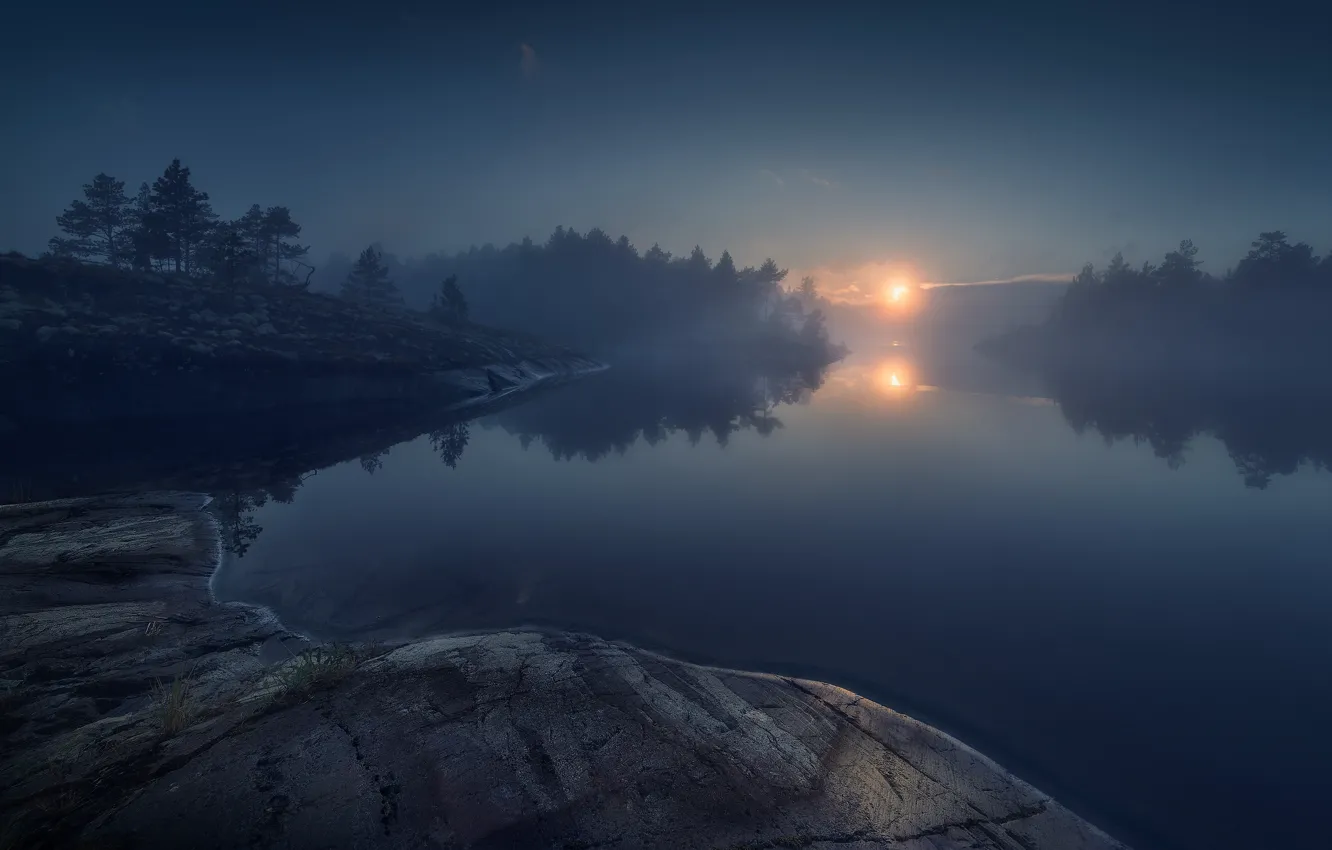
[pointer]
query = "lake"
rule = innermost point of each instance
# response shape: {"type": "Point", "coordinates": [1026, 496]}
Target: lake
{"type": "Point", "coordinates": [1149, 641]}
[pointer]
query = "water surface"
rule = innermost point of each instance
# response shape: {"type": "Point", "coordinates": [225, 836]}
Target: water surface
{"type": "Point", "coordinates": [1144, 638]}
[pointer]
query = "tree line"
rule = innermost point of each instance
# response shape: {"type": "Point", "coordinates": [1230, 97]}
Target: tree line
{"type": "Point", "coordinates": [586, 290]}
{"type": "Point", "coordinates": [602, 295]}
{"type": "Point", "coordinates": [170, 226]}
{"type": "Point", "coordinates": [1273, 271]}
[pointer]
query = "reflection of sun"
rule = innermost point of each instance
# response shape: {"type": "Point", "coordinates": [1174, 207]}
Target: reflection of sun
{"type": "Point", "coordinates": [894, 378]}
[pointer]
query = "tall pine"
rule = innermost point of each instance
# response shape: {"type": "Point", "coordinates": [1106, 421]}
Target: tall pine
{"type": "Point", "coordinates": [97, 226]}
{"type": "Point", "coordinates": [368, 282]}
{"type": "Point", "coordinates": [449, 305]}
{"type": "Point", "coordinates": [184, 216]}
{"type": "Point", "coordinates": [279, 231]}
{"type": "Point", "coordinates": [147, 247]}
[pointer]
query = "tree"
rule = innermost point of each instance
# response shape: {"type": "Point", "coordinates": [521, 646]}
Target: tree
{"type": "Point", "coordinates": [97, 225]}
{"type": "Point", "coordinates": [148, 244]}
{"type": "Point", "coordinates": [183, 214]}
{"type": "Point", "coordinates": [1180, 268]}
{"type": "Point", "coordinates": [368, 282]}
{"type": "Point", "coordinates": [449, 305]}
{"type": "Point", "coordinates": [277, 228]}
{"type": "Point", "coordinates": [698, 262]}
{"type": "Point", "coordinates": [1273, 262]}
{"type": "Point", "coordinates": [228, 257]}
{"type": "Point", "coordinates": [808, 291]}
{"type": "Point", "coordinates": [725, 272]}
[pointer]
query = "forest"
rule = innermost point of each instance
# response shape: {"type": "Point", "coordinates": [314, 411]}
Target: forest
{"type": "Point", "coordinates": [589, 291]}
{"type": "Point", "coordinates": [1274, 302]}
{"type": "Point", "coordinates": [1161, 354]}
{"type": "Point", "coordinates": [603, 296]}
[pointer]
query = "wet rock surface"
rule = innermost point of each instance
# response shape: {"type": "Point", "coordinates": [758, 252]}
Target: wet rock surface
{"type": "Point", "coordinates": [513, 739]}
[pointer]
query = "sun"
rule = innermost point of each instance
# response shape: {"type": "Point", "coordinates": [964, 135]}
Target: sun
{"type": "Point", "coordinates": [900, 292]}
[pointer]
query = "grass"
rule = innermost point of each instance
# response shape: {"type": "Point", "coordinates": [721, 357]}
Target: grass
{"type": "Point", "coordinates": [175, 703]}
{"type": "Point", "coordinates": [314, 670]}
{"type": "Point", "coordinates": [60, 803]}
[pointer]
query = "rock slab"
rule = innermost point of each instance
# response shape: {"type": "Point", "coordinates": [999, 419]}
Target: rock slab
{"type": "Point", "coordinates": [512, 739]}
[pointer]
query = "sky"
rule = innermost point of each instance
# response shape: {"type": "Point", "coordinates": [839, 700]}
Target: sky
{"type": "Point", "coordinates": [962, 141]}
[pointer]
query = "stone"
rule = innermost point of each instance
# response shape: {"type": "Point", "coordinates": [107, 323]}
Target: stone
{"type": "Point", "coordinates": [265, 329]}
{"type": "Point", "coordinates": [45, 333]}
{"type": "Point", "coordinates": [244, 320]}
{"type": "Point", "coordinates": [496, 740]}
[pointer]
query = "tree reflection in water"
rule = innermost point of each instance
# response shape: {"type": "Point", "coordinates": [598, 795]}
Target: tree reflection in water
{"type": "Point", "coordinates": [586, 419]}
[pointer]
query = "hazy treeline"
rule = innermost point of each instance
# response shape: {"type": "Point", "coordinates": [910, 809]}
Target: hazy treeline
{"type": "Point", "coordinates": [1161, 354]}
{"type": "Point", "coordinates": [585, 290]}
{"type": "Point", "coordinates": [604, 296]}
{"type": "Point", "coordinates": [1278, 290]}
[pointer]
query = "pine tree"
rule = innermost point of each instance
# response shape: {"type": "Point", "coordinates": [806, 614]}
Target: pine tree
{"type": "Point", "coordinates": [251, 228]}
{"type": "Point", "coordinates": [277, 229]}
{"type": "Point", "coordinates": [369, 284]}
{"type": "Point", "coordinates": [449, 304]}
{"type": "Point", "coordinates": [183, 214]}
{"type": "Point", "coordinates": [97, 225]}
{"type": "Point", "coordinates": [148, 247]}
{"type": "Point", "coordinates": [227, 255]}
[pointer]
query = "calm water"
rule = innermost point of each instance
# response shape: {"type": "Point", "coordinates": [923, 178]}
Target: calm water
{"type": "Point", "coordinates": [1152, 645]}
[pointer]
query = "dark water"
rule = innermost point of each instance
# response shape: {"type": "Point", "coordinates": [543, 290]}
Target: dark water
{"type": "Point", "coordinates": [1148, 640]}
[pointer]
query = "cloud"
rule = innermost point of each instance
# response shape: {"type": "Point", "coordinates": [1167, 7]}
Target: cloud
{"type": "Point", "coordinates": [773, 176]}
{"type": "Point", "coordinates": [818, 181]}
{"type": "Point", "coordinates": [1043, 277]}
{"type": "Point", "coordinates": [865, 283]}
{"type": "Point", "coordinates": [529, 63]}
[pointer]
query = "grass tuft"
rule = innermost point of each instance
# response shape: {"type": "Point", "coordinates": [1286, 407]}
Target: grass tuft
{"type": "Point", "coordinates": [314, 670]}
{"type": "Point", "coordinates": [175, 703]}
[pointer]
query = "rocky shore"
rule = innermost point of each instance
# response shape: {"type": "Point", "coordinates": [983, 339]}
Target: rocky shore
{"type": "Point", "coordinates": [137, 712]}
{"type": "Point", "coordinates": [81, 342]}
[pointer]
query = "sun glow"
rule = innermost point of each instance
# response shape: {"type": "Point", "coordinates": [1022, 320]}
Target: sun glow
{"type": "Point", "coordinates": [900, 294]}
{"type": "Point", "coordinates": [894, 378]}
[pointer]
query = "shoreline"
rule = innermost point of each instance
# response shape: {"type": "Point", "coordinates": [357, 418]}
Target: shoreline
{"type": "Point", "coordinates": [721, 758]}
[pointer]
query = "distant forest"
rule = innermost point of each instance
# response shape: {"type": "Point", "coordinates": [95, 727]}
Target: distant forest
{"type": "Point", "coordinates": [585, 290]}
{"type": "Point", "coordinates": [1160, 354]}
{"type": "Point", "coordinates": [603, 296]}
{"type": "Point", "coordinates": [1280, 294]}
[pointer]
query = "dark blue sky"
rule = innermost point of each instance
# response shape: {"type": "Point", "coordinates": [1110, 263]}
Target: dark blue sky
{"type": "Point", "coordinates": [975, 141]}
